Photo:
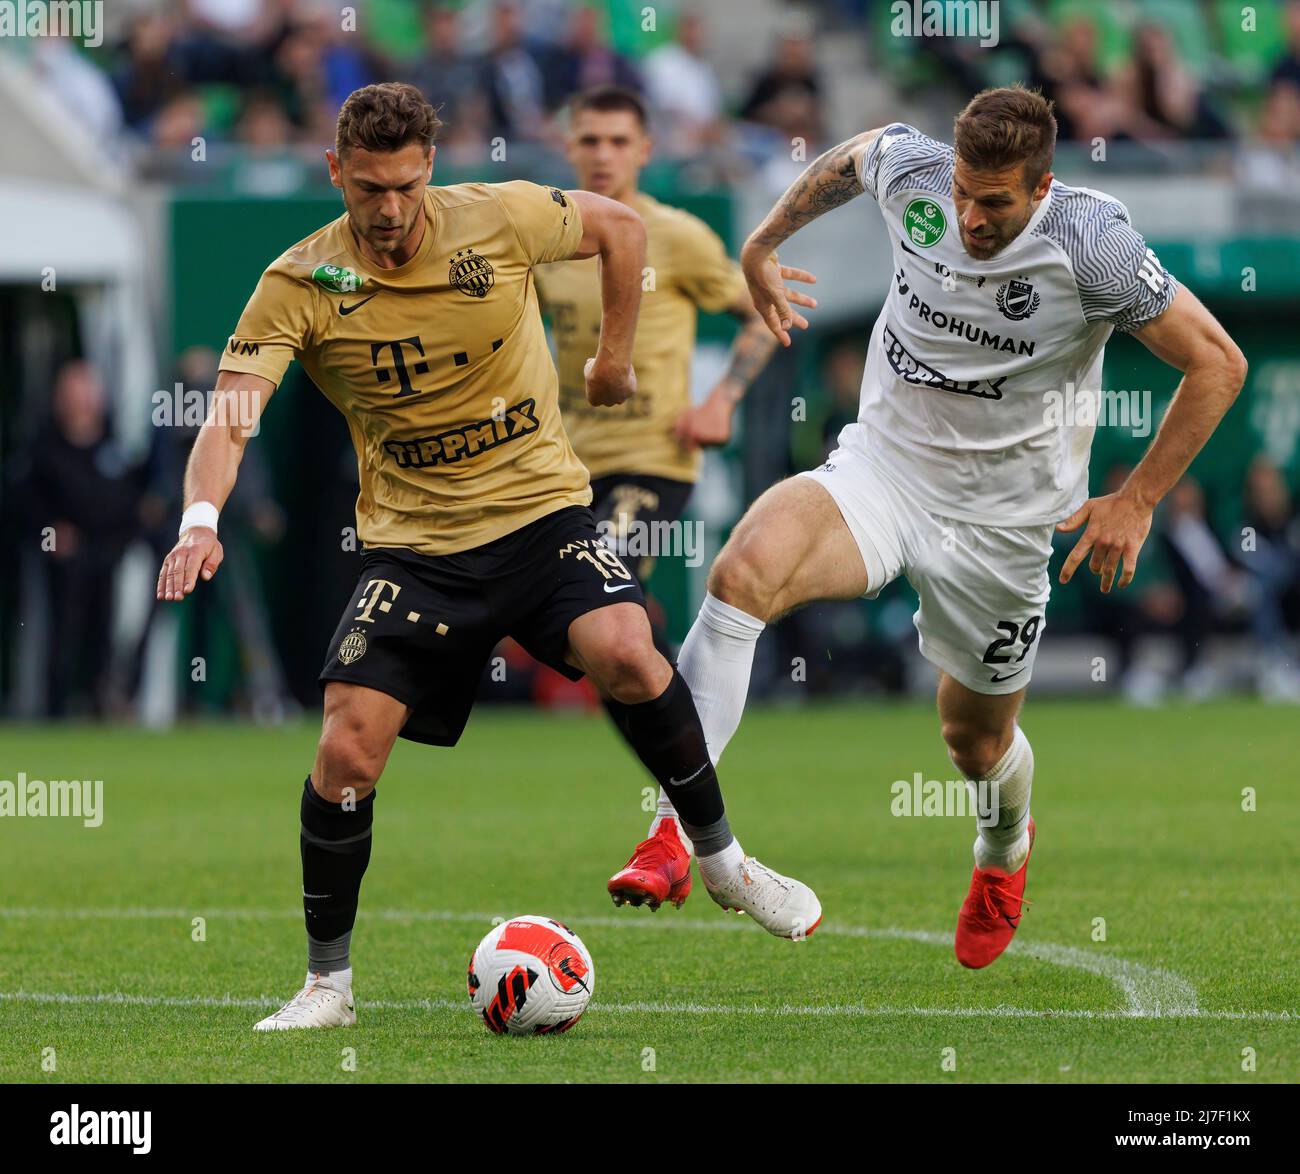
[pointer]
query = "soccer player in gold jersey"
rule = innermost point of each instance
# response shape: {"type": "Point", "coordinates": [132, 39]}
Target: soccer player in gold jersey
{"type": "Point", "coordinates": [644, 455]}
{"type": "Point", "coordinates": [416, 314]}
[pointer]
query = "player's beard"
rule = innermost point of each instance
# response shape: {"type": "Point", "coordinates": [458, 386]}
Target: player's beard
{"type": "Point", "coordinates": [1000, 238]}
{"type": "Point", "coordinates": [388, 242]}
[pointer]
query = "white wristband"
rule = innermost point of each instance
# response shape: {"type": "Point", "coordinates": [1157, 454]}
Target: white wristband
{"type": "Point", "coordinates": [201, 513]}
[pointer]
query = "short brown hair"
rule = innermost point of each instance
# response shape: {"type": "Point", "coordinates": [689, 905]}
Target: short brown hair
{"type": "Point", "coordinates": [1002, 127]}
{"type": "Point", "coordinates": [386, 117]}
{"type": "Point", "coordinates": [608, 97]}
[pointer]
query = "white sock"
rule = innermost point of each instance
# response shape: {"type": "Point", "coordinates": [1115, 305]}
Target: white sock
{"type": "Point", "coordinates": [717, 868]}
{"type": "Point", "coordinates": [715, 662]}
{"type": "Point", "coordinates": [339, 980]}
{"type": "Point", "coordinates": [1005, 845]}
{"type": "Point", "coordinates": [664, 809]}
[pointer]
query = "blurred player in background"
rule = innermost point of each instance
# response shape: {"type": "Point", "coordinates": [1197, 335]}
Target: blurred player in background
{"type": "Point", "coordinates": [644, 454]}
{"type": "Point", "coordinates": [1007, 284]}
{"type": "Point", "coordinates": [415, 313]}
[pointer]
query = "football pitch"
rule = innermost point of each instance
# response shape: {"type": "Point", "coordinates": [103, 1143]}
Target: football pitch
{"type": "Point", "coordinates": [1189, 975]}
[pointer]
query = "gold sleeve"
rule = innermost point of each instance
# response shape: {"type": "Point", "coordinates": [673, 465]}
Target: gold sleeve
{"type": "Point", "coordinates": [275, 327]}
{"type": "Point", "coordinates": [705, 274]}
{"type": "Point", "coordinates": [547, 223]}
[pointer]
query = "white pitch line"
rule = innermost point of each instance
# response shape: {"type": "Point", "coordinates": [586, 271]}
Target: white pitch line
{"type": "Point", "coordinates": [119, 998]}
{"type": "Point", "coordinates": [1148, 991]}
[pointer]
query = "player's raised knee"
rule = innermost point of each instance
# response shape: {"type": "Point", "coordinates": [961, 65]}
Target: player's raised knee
{"type": "Point", "coordinates": [974, 749]}
{"type": "Point", "coordinates": [624, 662]}
{"type": "Point", "coordinates": [347, 765]}
{"type": "Point", "coordinates": [737, 577]}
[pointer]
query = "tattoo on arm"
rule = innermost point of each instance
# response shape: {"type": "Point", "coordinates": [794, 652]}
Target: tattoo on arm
{"type": "Point", "coordinates": [750, 352]}
{"type": "Point", "coordinates": [829, 181]}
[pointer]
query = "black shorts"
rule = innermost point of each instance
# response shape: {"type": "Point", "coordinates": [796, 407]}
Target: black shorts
{"type": "Point", "coordinates": [421, 628]}
{"type": "Point", "coordinates": [621, 499]}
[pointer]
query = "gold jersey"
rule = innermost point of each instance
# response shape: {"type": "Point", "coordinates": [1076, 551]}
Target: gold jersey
{"type": "Point", "coordinates": [687, 270]}
{"type": "Point", "coordinates": [440, 366]}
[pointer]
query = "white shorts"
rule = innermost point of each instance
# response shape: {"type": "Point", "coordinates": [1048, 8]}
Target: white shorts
{"type": "Point", "coordinates": [983, 589]}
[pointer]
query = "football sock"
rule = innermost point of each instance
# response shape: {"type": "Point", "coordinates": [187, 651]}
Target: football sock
{"type": "Point", "coordinates": [666, 735]}
{"type": "Point", "coordinates": [716, 660]}
{"type": "Point", "coordinates": [339, 980]}
{"type": "Point", "coordinates": [1004, 845]}
{"type": "Point", "coordinates": [718, 866]}
{"type": "Point", "coordinates": [335, 844]}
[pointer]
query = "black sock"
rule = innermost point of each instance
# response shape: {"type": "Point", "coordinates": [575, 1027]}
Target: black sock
{"type": "Point", "coordinates": [335, 845]}
{"type": "Point", "coordinates": [668, 738]}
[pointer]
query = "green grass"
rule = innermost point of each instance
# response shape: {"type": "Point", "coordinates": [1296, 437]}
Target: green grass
{"type": "Point", "coordinates": [1140, 823]}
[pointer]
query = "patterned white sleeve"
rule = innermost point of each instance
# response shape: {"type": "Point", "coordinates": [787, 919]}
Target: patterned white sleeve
{"type": "Point", "coordinates": [897, 150]}
{"type": "Point", "coordinates": [1120, 279]}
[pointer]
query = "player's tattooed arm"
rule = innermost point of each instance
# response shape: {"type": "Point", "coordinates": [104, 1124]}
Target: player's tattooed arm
{"type": "Point", "coordinates": [616, 234]}
{"type": "Point", "coordinates": [829, 181]}
{"type": "Point", "coordinates": [1187, 337]}
{"type": "Point", "coordinates": [708, 423]}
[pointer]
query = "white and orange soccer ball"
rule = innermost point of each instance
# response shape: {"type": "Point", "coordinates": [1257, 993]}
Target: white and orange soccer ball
{"type": "Point", "coordinates": [531, 975]}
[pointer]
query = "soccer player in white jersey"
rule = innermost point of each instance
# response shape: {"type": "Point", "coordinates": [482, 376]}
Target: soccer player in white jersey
{"type": "Point", "coordinates": [1006, 286]}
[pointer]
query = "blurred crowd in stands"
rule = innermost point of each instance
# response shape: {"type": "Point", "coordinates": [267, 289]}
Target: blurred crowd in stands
{"type": "Point", "coordinates": [1198, 582]}
{"type": "Point", "coordinates": [269, 75]}
{"type": "Point", "coordinates": [261, 81]}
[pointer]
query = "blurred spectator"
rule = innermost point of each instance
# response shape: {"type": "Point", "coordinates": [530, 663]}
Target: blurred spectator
{"type": "Point", "coordinates": [151, 71]}
{"type": "Point", "coordinates": [1288, 68]}
{"type": "Point", "coordinates": [1119, 615]}
{"type": "Point", "coordinates": [787, 94]}
{"type": "Point", "coordinates": [269, 168]}
{"type": "Point", "coordinates": [842, 378]}
{"type": "Point", "coordinates": [444, 72]}
{"type": "Point", "coordinates": [1269, 161]}
{"type": "Point", "coordinates": [82, 490]}
{"type": "Point", "coordinates": [513, 81]}
{"type": "Point", "coordinates": [1212, 588]}
{"type": "Point", "coordinates": [1271, 556]}
{"type": "Point", "coordinates": [250, 517]}
{"type": "Point", "coordinates": [1164, 92]}
{"type": "Point", "coordinates": [585, 60]}
{"type": "Point", "coordinates": [684, 93]}
{"type": "Point", "coordinates": [1066, 72]}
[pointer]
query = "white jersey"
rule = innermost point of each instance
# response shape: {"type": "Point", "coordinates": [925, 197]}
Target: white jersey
{"type": "Point", "coordinates": [978, 371]}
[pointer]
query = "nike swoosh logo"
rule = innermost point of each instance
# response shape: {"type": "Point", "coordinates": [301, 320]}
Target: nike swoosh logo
{"type": "Point", "coordinates": [1008, 677]}
{"type": "Point", "coordinates": [622, 587]}
{"type": "Point", "coordinates": [346, 310]}
{"type": "Point", "coordinates": [672, 782]}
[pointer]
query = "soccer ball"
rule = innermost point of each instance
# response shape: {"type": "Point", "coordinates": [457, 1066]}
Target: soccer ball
{"type": "Point", "coordinates": [531, 975]}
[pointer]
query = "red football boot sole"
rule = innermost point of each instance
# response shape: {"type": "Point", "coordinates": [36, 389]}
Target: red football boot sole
{"type": "Point", "coordinates": [639, 886]}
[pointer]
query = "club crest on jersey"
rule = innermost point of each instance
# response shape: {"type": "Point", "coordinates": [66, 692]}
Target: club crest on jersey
{"type": "Point", "coordinates": [471, 274]}
{"type": "Point", "coordinates": [925, 223]}
{"type": "Point", "coordinates": [337, 278]}
{"type": "Point", "coordinates": [352, 648]}
{"type": "Point", "coordinates": [1017, 299]}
